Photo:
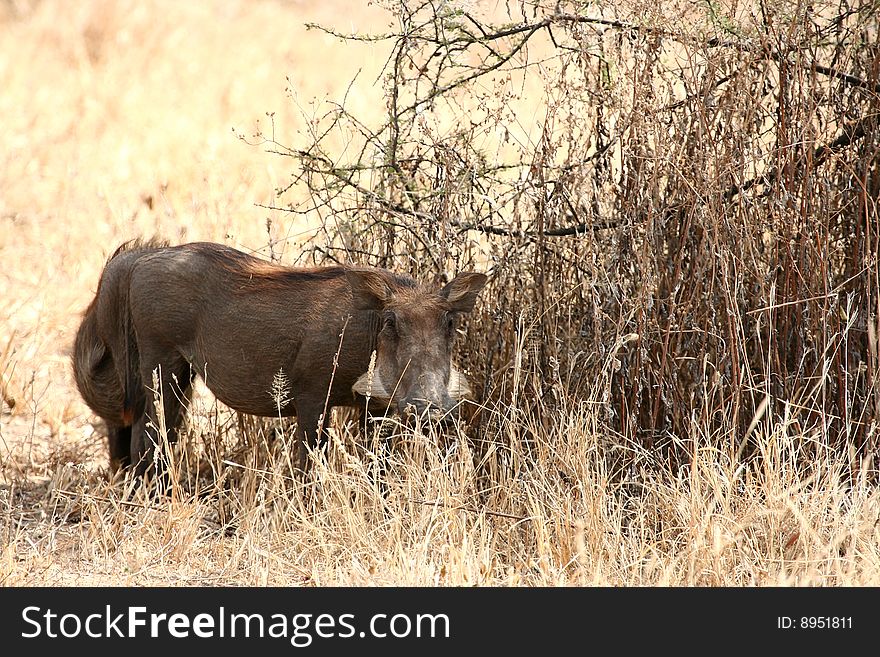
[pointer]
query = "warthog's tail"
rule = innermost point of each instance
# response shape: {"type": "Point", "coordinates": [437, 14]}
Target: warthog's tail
{"type": "Point", "coordinates": [105, 354]}
{"type": "Point", "coordinates": [95, 371]}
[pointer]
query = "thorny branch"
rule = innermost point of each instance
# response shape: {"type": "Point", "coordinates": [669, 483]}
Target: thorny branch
{"type": "Point", "coordinates": [456, 33]}
{"type": "Point", "coordinates": [660, 176]}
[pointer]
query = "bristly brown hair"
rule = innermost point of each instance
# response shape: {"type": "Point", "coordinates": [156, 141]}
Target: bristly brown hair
{"type": "Point", "coordinates": [139, 244]}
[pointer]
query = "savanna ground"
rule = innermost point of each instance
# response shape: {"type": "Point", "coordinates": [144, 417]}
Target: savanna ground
{"type": "Point", "coordinates": [682, 393]}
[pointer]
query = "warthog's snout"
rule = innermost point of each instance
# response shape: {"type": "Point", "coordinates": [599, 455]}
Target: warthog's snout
{"type": "Point", "coordinates": [443, 408]}
{"type": "Point", "coordinates": [425, 411]}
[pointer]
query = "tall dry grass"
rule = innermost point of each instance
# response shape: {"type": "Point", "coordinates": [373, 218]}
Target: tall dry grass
{"type": "Point", "coordinates": [675, 360]}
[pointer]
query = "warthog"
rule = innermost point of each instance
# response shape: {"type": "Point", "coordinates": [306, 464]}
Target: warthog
{"type": "Point", "coordinates": [266, 340]}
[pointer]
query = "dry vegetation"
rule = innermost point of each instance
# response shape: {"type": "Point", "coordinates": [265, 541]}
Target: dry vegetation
{"type": "Point", "coordinates": [675, 362]}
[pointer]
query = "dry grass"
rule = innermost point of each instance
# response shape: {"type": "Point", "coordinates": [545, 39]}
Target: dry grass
{"type": "Point", "coordinates": [118, 122]}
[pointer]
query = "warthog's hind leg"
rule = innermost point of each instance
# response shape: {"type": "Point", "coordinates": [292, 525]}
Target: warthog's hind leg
{"type": "Point", "coordinates": [119, 442]}
{"type": "Point", "coordinates": [174, 377]}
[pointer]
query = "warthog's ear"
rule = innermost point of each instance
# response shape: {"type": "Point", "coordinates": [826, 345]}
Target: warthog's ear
{"type": "Point", "coordinates": [369, 288]}
{"type": "Point", "coordinates": [461, 292]}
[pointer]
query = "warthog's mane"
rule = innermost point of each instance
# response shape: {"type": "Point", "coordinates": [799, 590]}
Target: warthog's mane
{"type": "Point", "coordinates": [263, 273]}
{"type": "Point", "coordinates": [139, 244]}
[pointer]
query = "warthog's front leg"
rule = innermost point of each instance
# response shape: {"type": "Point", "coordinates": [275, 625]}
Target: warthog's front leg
{"type": "Point", "coordinates": [310, 429]}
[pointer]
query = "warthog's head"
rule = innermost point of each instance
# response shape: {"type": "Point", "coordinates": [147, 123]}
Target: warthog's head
{"type": "Point", "coordinates": [413, 369]}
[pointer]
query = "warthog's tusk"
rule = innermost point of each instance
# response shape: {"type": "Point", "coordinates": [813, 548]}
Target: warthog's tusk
{"type": "Point", "coordinates": [457, 388]}
{"type": "Point", "coordinates": [371, 387]}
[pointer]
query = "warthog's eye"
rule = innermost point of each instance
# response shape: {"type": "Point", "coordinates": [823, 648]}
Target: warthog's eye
{"type": "Point", "coordinates": [449, 323]}
{"type": "Point", "coordinates": [389, 323]}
